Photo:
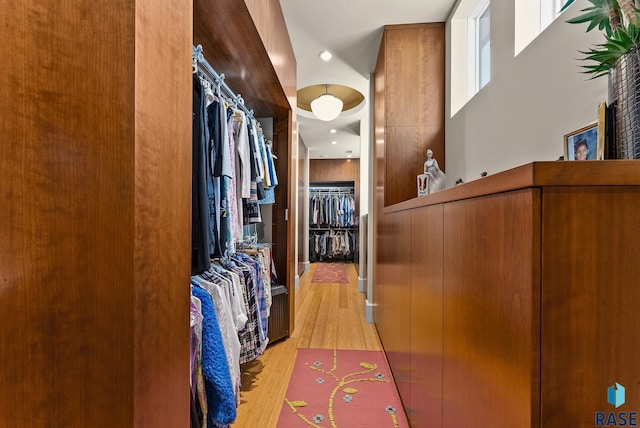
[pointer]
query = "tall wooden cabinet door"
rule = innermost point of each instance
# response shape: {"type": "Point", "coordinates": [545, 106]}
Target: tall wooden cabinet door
{"type": "Point", "coordinates": [590, 299]}
{"type": "Point", "coordinates": [425, 406]}
{"type": "Point", "coordinates": [491, 311]}
{"type": "Point", "coordinates": [398, 299]}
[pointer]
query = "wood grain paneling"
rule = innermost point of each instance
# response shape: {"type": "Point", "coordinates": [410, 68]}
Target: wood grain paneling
{"type": "Point", "coordinates": [539, 292]}
{"type": "Point", "coordinates": [66, 221]}
{"type": "Point", "coordinates": [162, 209]}
{"type": "Point", "coordinates": [411, 73]}
{"type": "Point", "coordinates": [415, 70]}
{"type": "Point", "coordinates": [589, 296]}
{"type": "Point", "coordinates": [491, 311]}
{"type": "Point", "coordinates": [397, 300]}
{"type": "Point", "coordinates": [232, 44]}
{"type": "Point", "coordinates": [424, 408]}
{"type": "Point", "coordinates": [269, 21]}
{"type": "Point", "coordinates": [407, 146]}
{"type": "Point", "coordinates": [535, 174]}
{"type": "Point", "coordinates": [90, 243]}
{"type": "Point", "coordinates": [283, 216]}
{"type": "Point", "coordinates": [334, 170]}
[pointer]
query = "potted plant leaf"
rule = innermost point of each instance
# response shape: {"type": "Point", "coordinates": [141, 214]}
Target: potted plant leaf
{"type": "Point", "coordinates": [619, 58]}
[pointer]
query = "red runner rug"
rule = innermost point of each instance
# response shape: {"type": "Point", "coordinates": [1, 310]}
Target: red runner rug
{"type": "Point", "coordinates": [330, 273]}
{"type": "Point", "coordinates": [342, 389]}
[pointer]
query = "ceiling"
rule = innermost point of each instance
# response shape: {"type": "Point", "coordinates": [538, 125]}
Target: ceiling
{"type": "Point", "coordinates": [351, 30]}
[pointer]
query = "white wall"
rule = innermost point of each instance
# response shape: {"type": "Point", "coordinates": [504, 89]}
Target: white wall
{"type": "Point", "coordinates": [365, 186]}
{"type": "Point", "coordinates": [370, 202]}
{"type": "Point", "coordinates": [532, 100]}
{"type": "Point", "coordinates": [305, 225]}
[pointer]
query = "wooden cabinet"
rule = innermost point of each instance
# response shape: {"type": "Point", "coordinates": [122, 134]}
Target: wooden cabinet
{"type": "Point", "coordinates": [425, 377]}
{"type": "Point", "coordinates": [491, 309]}
{"type": "Point", "coordinates": [239, 39]}
{"type": "Point", "coordinates": [96, 198]}
{"type": "Point", "coordinates": [523, 294]}
{"type": "Point", "coordinates": [409, 104]}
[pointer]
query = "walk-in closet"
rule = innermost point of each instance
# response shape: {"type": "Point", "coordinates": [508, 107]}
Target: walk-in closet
{"type": "Point", "coordinates": [333, 221]}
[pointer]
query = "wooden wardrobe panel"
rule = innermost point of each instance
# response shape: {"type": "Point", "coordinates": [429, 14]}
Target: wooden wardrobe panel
{"type": "Point", "coordinates": [410, 76]}
{"type": "Point", "coordinates": [397, 295]}
{"type": "Point", "coordinates": [67, 289]}
{"type": "Point", "coordinates": [491, 311]}
{"type": "Point", "coordinates": [406, 152]}
{"type": "Point", "coordinates": [334, 170]}
{"type": "Point", "coordinates": [425, 406]}
{"type": "Point", "coordinates": [162, 207]}
{"type": "Point", "coordinates": [94, 237]}
{"type": "Point", "coordinates": [269, 21]}
{"type": "Point", "coordinates": [415, 61]}
{"type": "Point", "coordinates": [232, 45]}
{"type": "Point", "coordinates": [590, 300]}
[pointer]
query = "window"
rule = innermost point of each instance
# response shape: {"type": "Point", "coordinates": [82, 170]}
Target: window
{"type": "Point", "coordinates": [549, 11]}
{"type": "Point", "coordinates": [470, 51]}
{"type": "Point", "coordinates": [531, 18]}
{"type": "Point", "coordinates": [479, 46]}
{"type": "Point", "coordinates": [484, 48]}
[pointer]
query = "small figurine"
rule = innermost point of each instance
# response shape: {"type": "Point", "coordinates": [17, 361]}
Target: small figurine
{"type": "Point", "coordinates": [433, 179]}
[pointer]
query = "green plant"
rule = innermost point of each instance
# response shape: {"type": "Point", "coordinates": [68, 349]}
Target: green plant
{"type": "Point", "coordinates": [619, 20]}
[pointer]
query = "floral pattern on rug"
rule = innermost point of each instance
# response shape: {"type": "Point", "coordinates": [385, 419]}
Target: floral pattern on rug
{"type": "Point", "coordinates": [330, 273]}
{"type": "Point", "coordinates": [341, 389]}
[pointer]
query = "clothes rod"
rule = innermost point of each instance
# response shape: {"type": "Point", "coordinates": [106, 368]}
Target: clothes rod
{"type": "Point", "coordinates": [201, 62]}
{"type": "Point", "coordinates": [332, 189]}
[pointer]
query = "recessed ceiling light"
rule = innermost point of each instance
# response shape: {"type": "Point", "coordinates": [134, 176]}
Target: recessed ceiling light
{"type": "Point", "coordinates": [333, 131]}
{"type": "Point", "coordinates": [326, 55]}
{"type": "Point", "coordinates": [349, 156]}
{"type": "Point", "coordinates": [334, 142]}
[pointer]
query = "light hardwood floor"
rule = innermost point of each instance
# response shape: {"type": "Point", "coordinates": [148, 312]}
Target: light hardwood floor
{"type": "Point", "coordinates": [327, 316]}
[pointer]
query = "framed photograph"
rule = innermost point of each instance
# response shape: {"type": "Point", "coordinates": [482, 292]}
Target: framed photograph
{"type": "Point", "coordinates": [582, 144]}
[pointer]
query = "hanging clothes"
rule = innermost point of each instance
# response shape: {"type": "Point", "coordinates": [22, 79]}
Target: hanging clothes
{"type": "Point", "coordinates": [200, 239]}
{"type": "Point", "coordinates": [328, 209]}
{"type": "Point", "coordinates": [233, 169]}
{"type": "Point", "coordinates": [330, 244]}
{"type": "Point", "coordinates": [221, 400]}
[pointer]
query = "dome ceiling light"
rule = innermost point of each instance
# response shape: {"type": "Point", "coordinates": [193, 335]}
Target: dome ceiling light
{"type": "Point", "coordinates": [326, 107]}
{"type": "Point", "coordinates": [325, 55]}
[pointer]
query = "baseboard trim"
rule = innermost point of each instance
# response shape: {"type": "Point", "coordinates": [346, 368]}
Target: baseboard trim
{"type": "Point", "coordinates": [297, 281]}
{"type": "Point", "coordinates": [362, 284]}
{"type": "Point", "coordinates": [368, 311]}
{"type": "Point", "coordinates": [307, 266]}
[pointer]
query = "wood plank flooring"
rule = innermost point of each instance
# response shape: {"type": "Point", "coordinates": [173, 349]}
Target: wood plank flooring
{"type": "Point", "coordinates": [327, 316]}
